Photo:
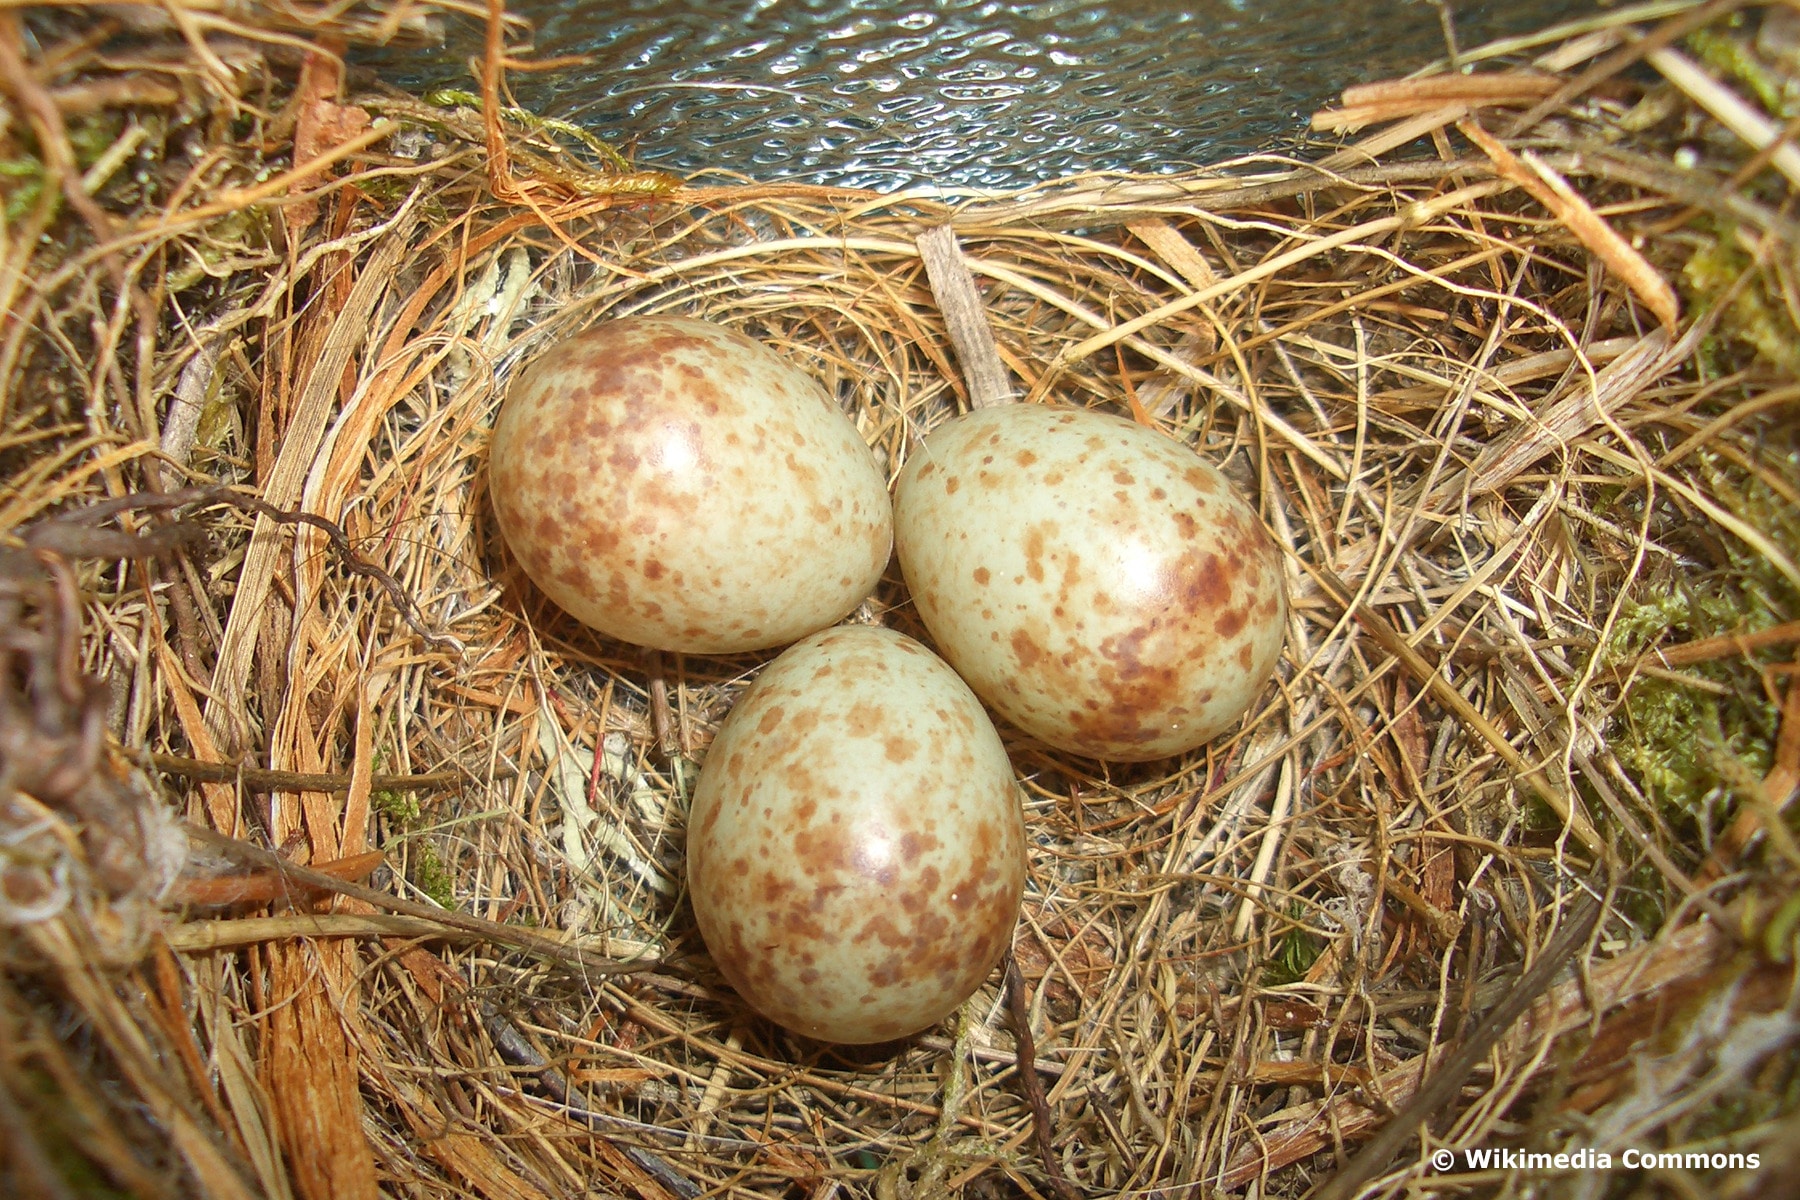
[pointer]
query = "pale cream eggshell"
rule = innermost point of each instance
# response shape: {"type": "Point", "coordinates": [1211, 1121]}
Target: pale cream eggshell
{"type": "Point", "coordinates": [676, 484]}
{"type": "Point", "coordinates": [856, 851]}
{"type": "Point", "coordinates": [1099, 584]}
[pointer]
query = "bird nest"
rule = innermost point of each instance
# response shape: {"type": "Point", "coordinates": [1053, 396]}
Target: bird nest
{"type": "Point", "coordinates": [335, 860]}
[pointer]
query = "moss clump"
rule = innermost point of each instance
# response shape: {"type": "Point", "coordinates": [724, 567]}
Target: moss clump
{"type": "Point", "coordinates": [22, 168]}
{"type": "Point", "coordinates": [1732, 56]}
{"type": "Point", "coordinates": [1755, 317]}
{"type": "Point", "coordinates": [431, 877]}
{"type": "Point", "coordinates": [428, 872]}
{"type": "Point", "coordinates": [21, 184]}
{"type": "Point", "coordinates": [1779, 937]}
{"type": "Point", "coordinates": [1678, 733]}
{"type": "Point", "coordinates": [1690, 735]}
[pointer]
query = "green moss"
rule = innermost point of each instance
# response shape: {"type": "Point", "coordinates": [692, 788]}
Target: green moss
{"type": "Point", "coordinates": [1780, 937]}
{"type": "Point", "coordinates": [1733, 58]}
{"type": "Point", "coordinates": [21, 185]}
{"type": "Point", "coordinates": [402, 808]}
{"type": "Point", "coordinates": [22, 177]}
{"type": "Point", "coordinates": [1688, 744]}
{"type": "Point", "coordinates": [430, 877]}
{"type": "Point", "coordinates": [1679, 743]}
{"type": "Point", "coordinates": [94, 136]}
{"type": "Point", "coordinates": [1537, 814]}
{"type": "Point", "coordinates": [1755, 319]}
{"type": "Point", "coordinates": [1643, 896]}
{"type": "Point", "coordinates": [453, 98]}
{"type": "Point", "coordinates": [428, 872]}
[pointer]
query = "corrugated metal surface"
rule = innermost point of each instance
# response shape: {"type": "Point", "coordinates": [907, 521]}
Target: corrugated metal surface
{"type": "Point", "coordinates": [975, 92]}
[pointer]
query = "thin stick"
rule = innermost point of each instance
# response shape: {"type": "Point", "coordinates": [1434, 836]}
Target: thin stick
{"type": "Point", "coordinates": [1726, 645]}
{"type": "Point", "coordinates": [1018, 1009]}
{"type": "Point", "coordinates": [71, 534]}
{"type": "Point", "coordinates": [528, 940]}
{"type": "Point", "coordinates": [1441, 1088]}
{"type": "Point", "coordinates": [953, 286]}
{"type": "Point", "coordinates": [662, 718]}
{"type": "Point", "coordinates": [201, 937]}
{"type": "Point", "coordinates": [261, 779]}
{"type": "Point", "coordinates": [261, 887]}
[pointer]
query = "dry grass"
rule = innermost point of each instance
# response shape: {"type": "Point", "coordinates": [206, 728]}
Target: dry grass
{"type": "Point", "coordinates": [1538, 513]}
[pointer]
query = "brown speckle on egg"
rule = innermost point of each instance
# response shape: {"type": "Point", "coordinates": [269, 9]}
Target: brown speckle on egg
{"type": "Point", "coordinates": [897, 839]}
{"type": "Point", "coordinates": [635, 476]}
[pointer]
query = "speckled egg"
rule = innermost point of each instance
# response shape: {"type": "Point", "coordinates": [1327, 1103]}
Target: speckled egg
{"type": "Point", "coordinates": [1097, 583]}
{"type": "Point", "coordinates": [856, 847]}
{"type": "Point", "coordinates": [675, 484]}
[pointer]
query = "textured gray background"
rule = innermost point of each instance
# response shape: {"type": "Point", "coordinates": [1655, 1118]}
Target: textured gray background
{"type": "Point", "coordinates": [975, 92]}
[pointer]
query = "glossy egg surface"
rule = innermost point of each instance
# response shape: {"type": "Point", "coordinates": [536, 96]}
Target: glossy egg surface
{"type": "Point", "coordinates": [676, 484]}
{"type": "Point", "coordinates": [856, 849]}
{"type": "Point", "coordinates": [1100, 585]}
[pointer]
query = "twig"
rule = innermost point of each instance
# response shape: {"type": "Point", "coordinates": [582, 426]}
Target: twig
{"type": "Point", "coordinates": [1390, 99]}
{"type": "Point", "coordinates": [352, 561]}
{"type": "Point", "coordinates": [959, 300]}
{"type": "Point", "coordinates": [662, 718]}
{"type": "Point", "coordinates": [528, 940]}
{"type": "Point", "coordinates": [1726, 645]}
{"type": "Point", "coordinates": [201, 937]}
{"type": "Point", "coordinates": [261, 779]}
{"type": "Point", "coordinates": [261, 887]}
{"type": "Point", "coordinates": [1441, 1088]}
{"type": "Point", "coordinates": [1018, 1009]}
{"type": "Point", "coordinates": [516, 1049]}
{"type": "Point", "coordinates": [72, 535]}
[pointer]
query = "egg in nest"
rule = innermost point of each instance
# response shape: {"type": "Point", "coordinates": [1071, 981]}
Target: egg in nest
{"type": "Point", "coordinates": [676, 484]}
{"type": "Point", "coordinates": [856, 844]}
{"type": "Point", "coordinates": [1100, 585]}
